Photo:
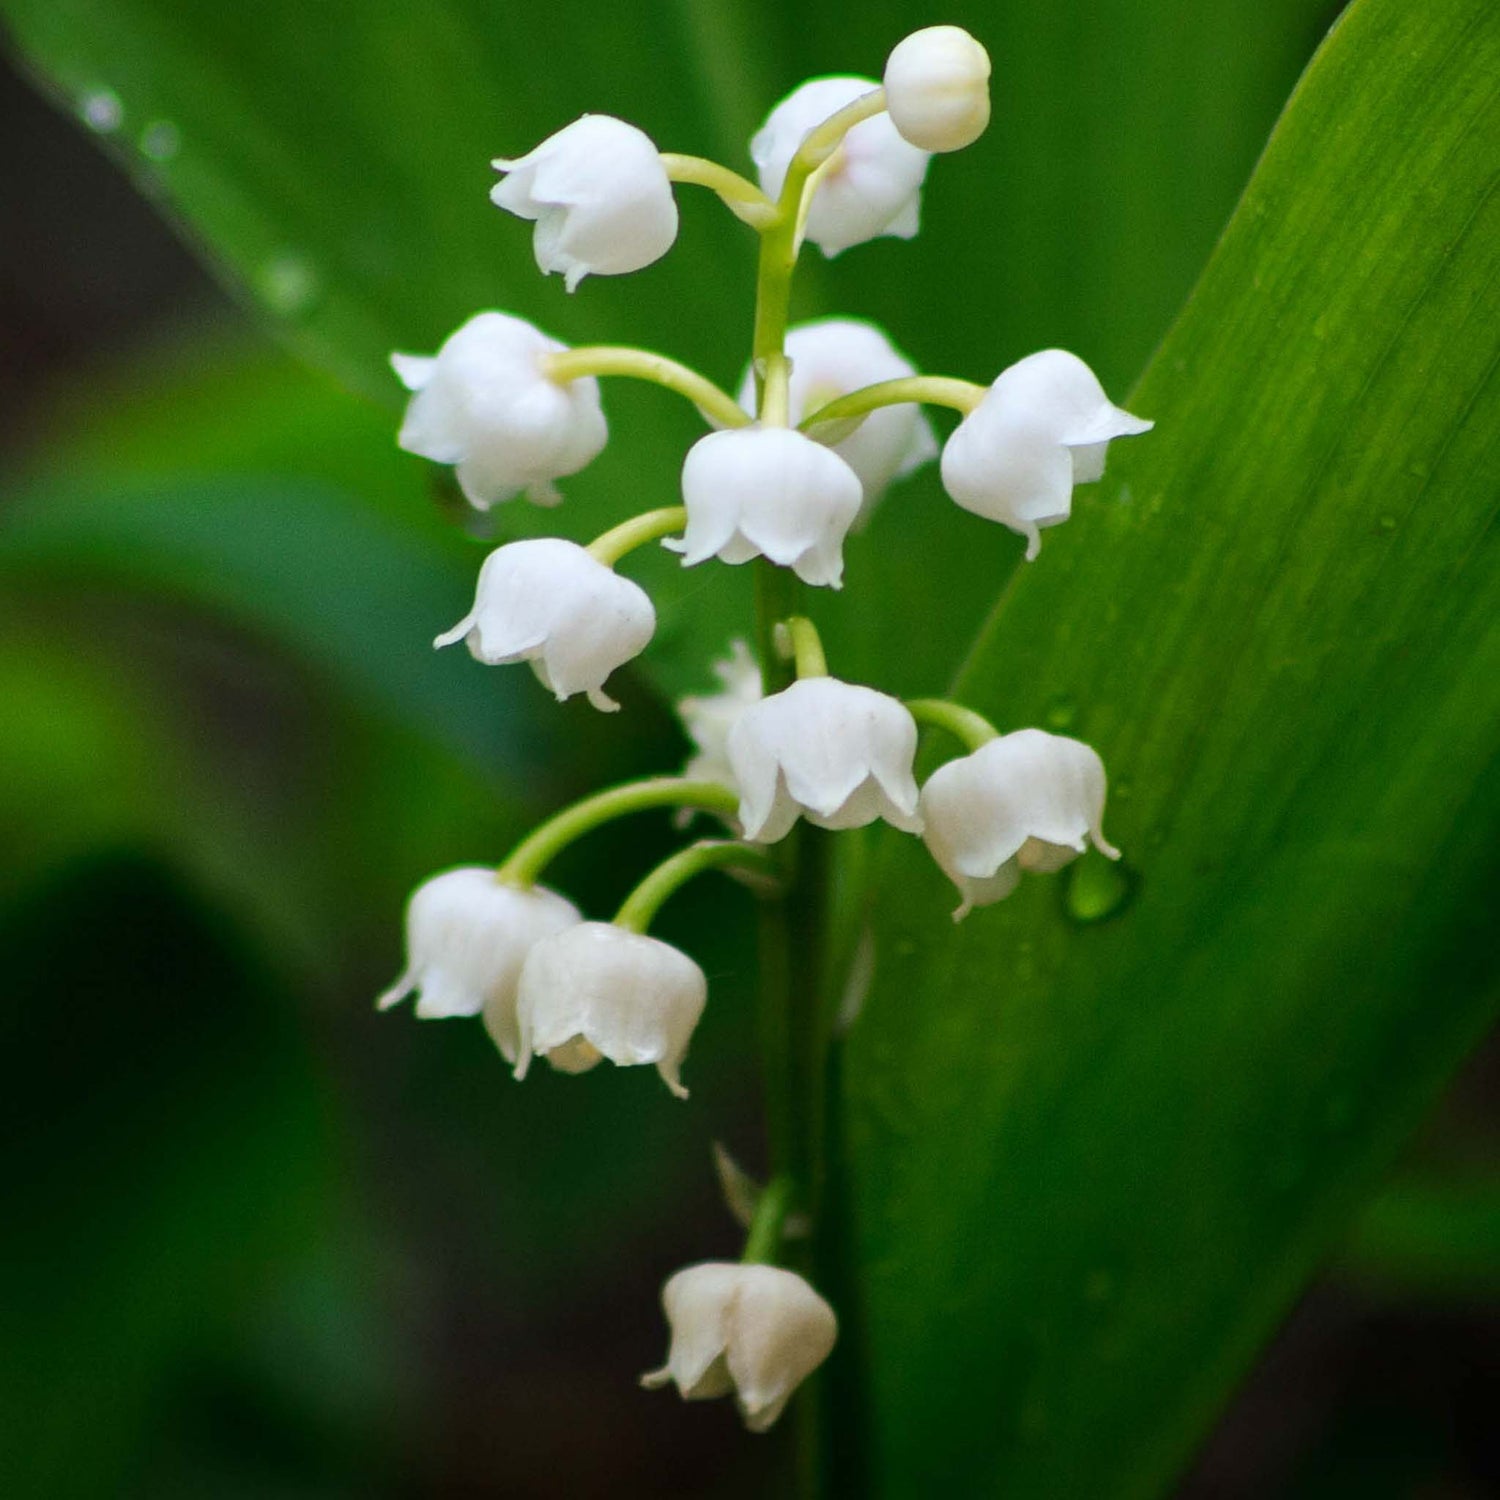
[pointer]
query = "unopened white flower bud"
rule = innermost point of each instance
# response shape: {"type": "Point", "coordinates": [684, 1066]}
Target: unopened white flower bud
{"type": "Point", "coordinates": [1042, 427]}
{"type": "Point", "coordinates": [872, 187]}
{"type": "Point", "coordinates": [554, 604]}
{"type": "Point", "coordinates": [467, 936]}
{"type": "Point", "coordinates": [833, 356]}
{"type": "Point", "coordinates": [607, 992]}
{"type": "Point", "coordinates": [768, 492]}
{"type": "Point", "coordinates": [833, 752]}
{"type": "Point", "coordinates": [937, 88]}
{"type": "Point", "coordinates": [709, 717]}
{"type": "Point", "coordinates": [754, 1331]}
{"type": "Point", "coordinates": [600, 197]}
{"type": "Point", "coordinates": [485, 404]}
{"type": "Point", "coordinates": [1027, 801]}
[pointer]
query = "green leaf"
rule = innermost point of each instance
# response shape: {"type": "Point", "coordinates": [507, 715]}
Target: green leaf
{"type": "Point", "coordinates": [1092, 1162]}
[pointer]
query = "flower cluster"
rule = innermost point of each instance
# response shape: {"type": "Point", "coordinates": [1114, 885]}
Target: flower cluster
{"type": "Point", "coordinates": [828, 417]}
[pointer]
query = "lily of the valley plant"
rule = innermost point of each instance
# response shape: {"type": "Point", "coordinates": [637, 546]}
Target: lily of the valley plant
{"type": "Point", "coordinates": [828, 417]}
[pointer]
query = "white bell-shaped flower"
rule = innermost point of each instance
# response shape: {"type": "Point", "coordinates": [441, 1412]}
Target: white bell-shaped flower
{"type": "Point", "coordinates": [752, 1330]}
{"type": "Point", "coordinates": [838, 754]}
{"type": "Point", "coordinates": [467, 936]}
{"type": "Point", "coordinates": [833, 356]}
{"type": "Point", "coordinates": [1042, 427]}
{"type": "Point", "coordinates": [872, 187]}
{"type": "Point", "coordinates": [709, 717]}
{"type": "Point", "coordinates": [768, 492]}
{"type": "Point", "coordinates": [1026, 801]}
{"type": "Point", "coordinates": [937, 88]}
{"type": "Point", "coordinates": [600, 197]}
{"type": "Point", "coordinates": [554, 604]}
{"type": "Point", "coordinates": [600, 991]}
{"type": "Point", "coordinates": [485, 404]}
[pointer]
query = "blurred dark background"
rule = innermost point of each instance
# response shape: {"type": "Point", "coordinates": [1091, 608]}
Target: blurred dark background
{"type": "Point", "coordinates": [259, 1242]}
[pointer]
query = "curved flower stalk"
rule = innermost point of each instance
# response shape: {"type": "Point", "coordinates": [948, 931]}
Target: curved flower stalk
{"type": "Point", "coordinates": [828, 417]}
{"type": "Point", "coordinates": [486, 404]}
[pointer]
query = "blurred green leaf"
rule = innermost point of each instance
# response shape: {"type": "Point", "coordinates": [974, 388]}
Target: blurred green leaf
{"type": "Point", "coordinates": [1429, 1238]}
{"type": "Point", "coordinates": [187, 1167]}
{"type": "Point", "coordinates": [1092, 1162]}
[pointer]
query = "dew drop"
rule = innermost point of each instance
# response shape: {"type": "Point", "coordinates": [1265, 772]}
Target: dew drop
{"type": "Point", "coordinates": [288, 285]}
{"type": "Point", "coordinates": [161, 140]}
{"type": "Point", "coordinates": [101, 110]}
{"type": "Point", "coordinates": [1061, 712]}
{"type": "Point", "coordinates": [1097, 889]}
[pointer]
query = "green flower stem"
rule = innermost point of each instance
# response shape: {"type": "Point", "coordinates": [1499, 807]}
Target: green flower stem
{"type": "Point", "coordinates": [973, 729]}
{"type": "Point", "coordinates": [806, 647]}
{"type": "Point", "coordinates": [610, 546]}
{"type": "Point", "coordinates": [932, 390]}
{"type": "Point", "coordinates": [535, 852]}
{"type": "Point", "coordinates": [781, 240]}
{"type": "Point", "coordinates": [642, 364]}
{"type": "Point", "coordinates": [741, 196]}
{"type": "Point", "coordinates": [763, 1241]}
{"type": "Point", "coordinates": [642, 904]}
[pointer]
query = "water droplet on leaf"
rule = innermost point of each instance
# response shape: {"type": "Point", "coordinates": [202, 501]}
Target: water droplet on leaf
{"type": "Point", "coordinates": [101, 110]}
{"type": "Point", "coordinates": [161, 140]}
{"type": "Point", "coordinates": [288, 285]}
{"type": "Point", "coordinates": [1060, 713]}
{"type": "Point", "coordinates": [1097, 888]}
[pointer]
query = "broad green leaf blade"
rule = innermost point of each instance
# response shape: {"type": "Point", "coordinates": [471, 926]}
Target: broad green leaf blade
{"type": "Point", "coordinates": [1092, 1162]}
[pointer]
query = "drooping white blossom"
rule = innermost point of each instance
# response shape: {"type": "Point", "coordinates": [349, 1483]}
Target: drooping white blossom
{"type": "Point", "coordinates": [768, 492]}
{"type": "Point", "coordinates": [754, 1331]}
{"type": "Point", "coordinates": [872, 187]}
{"type": "Point", "coordinates": [937, 88]}
{"type": "Point", "coordinates": [1042, 427]}
{"type": "Point", "coordinates": [467, 936]}
{"type": "Point", "coordinates": [599, 991]}
{"type": "Point", "coordinates": [600, 197]}
{"type": "Point", "coordinates": [485, 404]}
{"type": "Point", "coordinates": [1027, 801]}
{"type": "Point", "coordinates": [552, 603]}
{"type": "Point", "coordinates": [709, 717]}
{"type": "Point", "coordinates": [831, 357]}
{"type": "Point", "coordinates": [834, 752]}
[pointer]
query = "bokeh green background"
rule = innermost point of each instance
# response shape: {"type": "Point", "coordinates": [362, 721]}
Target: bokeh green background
{"type": "Point", "coordinates": [261, 1242]}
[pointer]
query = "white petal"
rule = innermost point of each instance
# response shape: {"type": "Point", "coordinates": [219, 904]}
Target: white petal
{"type": "Point", "coordinates": [467, 936]}
{"type": "Point", "coordinates": [633, 998]}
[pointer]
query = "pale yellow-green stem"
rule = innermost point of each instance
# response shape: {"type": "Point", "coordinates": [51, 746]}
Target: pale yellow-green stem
{"type": "Point", "coordinates": [963, 723]}
{"type": "Point", "coordinates": [931, 390]}
{"type": "Point", "coordinates": [741, 196]}
{"type": "Point", "coordinates": [640, 907]}
{"type": "Point", "coordinates": [539, 848]}
{"type": "Point", "coordinates": [805, 647]}
{"type": "Point", "coordinates": [641, 364]}
{"type": "Point", "coordinates": [610, 546]}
